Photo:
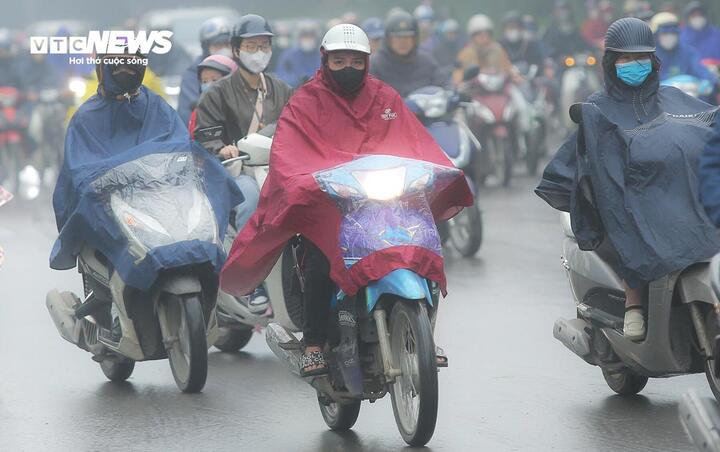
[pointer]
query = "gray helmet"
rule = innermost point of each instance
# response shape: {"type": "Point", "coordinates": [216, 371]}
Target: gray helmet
{"type": "Point", "coordinates": [630, 35]}
{"type": "Point", "coordinates": [249, 26]}
{"type": "Point", "coordinates": [401, 23]}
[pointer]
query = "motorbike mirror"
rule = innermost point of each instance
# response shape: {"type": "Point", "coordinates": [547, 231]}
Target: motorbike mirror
{"type": "Point", "coordinates": [576, 113]}
{"type": "Point", "coordinates": [257, 147]}
{"type": "Point", "coordinates": [470, 73]}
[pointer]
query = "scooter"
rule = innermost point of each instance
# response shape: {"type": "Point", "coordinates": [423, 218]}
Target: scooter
{"type": "Point", "coordinates": [681, 319]}
{"type": "Point", "coordinates": [438, 110]}
{"type": "Point", "coordinates": [535, 92]}
{"type": "Point", "coordinates": [47, 129]}
{"type": "Point", "coordinates": [383, 340]}
{"type": "Point", "coordinates": [236, 321]}
{"type": "Point", "coordinates": [175, 319]}
{"type": "Point", "coordinates": [690, 85]}
{"type": "Point", "coordinates": [13, 127]}
{"type": "Point", "coordinates": [493, 116]}
{"type": "Point", "coordinates": [580, 79]}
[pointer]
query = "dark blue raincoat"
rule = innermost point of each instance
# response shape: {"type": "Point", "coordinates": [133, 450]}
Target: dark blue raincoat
{"type": "Point", "coordinates": [631, 177]}
{"type": "Point", "coordinates": [106, 133]}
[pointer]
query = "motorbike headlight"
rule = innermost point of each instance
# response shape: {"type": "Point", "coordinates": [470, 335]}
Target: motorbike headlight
{"type": "Point", "coordinates": [139, 226]}
{"type": "Point", "coordinates": [382, 185]}
{"type": "Point", "coordinates": [432, 105]}
{"type": "Point", "coordinates": [78, 87]}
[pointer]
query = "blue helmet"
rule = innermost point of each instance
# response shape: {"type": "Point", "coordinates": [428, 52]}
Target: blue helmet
{"type": "Point", "coordinates": [373, 28]}
{"type": "Point", "coordinates": [214, 31]}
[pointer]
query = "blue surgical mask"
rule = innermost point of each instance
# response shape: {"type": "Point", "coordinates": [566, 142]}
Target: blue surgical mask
{"type": "Point", "coordinates": [205, 86]}
{"type": "Point", "coordinates": [634, 73]}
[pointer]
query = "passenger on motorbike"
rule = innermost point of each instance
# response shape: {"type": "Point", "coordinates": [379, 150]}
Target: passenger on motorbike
{"type": "Point", "coordinates": [562, 36]}
{"type": "Point", "coordinates": [360, 115]}
{"type": "Point", "coordinates": [482, 51]}
{"type": "Point", "coordinates": [375, 31]}
{"type": "Point", "coordinates": [632, 97]}
{"type": "Point", "coordinates": [445, 44]}
{"type": "Point", "coordinates": [242, 104]}
{"type": "Point", "coordinates": [210, 70]}
{"type": "Point", "coordinates": [400, 63]}
{"type": "Point", "coordinates": [298, 63]}
{"type": "Point", "coordinates": [699, 33]}
{"type": "Point", "coordinates": [676, 57]}
{"type": "Point", "coordinates": [214, 40]}
{"type": "Point", "coordinates": [518, 47]}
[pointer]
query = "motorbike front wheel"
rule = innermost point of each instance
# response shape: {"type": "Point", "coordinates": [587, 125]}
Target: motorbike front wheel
{"type": "Point", "coordinates": [624, 382]}
{"type": "Point", "coordinates": [466, 231]}
{"type": "Point", "coordinates": [186, 342]}
{"type": "Point", "coordinates": [340, 417]}
{"type": "Point", "coordinates": [415, 391]}
{"type": "Point", "coordinates": [712, 329]}
{"type": "Point", "coordinates": [117, 370]}
{"type": "Point", "coordinates": [233, 339]}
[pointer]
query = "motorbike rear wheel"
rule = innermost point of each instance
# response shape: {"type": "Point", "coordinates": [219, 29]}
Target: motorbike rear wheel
{"type": "Point", "coordinates": [232, 340]}
{"type": "Point", "coordinates": [466, 231]}
{"type": "Point", "coordinates": [117, 370]}
{"type": "Point", "coordinates": [415, 391]}
{"type": "Point", "coordinates": [340, 417]}
{"type": "Point", "coordinates": [186, 342]}
{"type": "Point", "coordinates": [504, 153]}
{"type": "Point", "coordinates": [712, 329]}
{"type": "Point", "coordinates": [624, 382]}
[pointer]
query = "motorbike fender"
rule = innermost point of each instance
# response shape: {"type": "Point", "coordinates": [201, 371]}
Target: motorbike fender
{"type": "Point", "coordinates": [181, 285]}
{"type": "Point", "coordinates": [695, 285]}
{"type": "Point", "coordinates": [401, 282]}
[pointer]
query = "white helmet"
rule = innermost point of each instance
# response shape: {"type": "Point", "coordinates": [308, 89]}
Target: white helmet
{"type": "Point", "coordinates": [346, 37]}
{"type": "Point", "coordinates": [478, 23]}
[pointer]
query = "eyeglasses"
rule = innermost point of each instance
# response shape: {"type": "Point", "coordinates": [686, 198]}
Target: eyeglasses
{"type": "Point", "coordinates": [252, 47]}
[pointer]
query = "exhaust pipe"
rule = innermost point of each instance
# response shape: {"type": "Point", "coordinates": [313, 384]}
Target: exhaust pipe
{"type": "Point", "coordinates": [285, 346]}
{"type": "Point", "coordinates": [62, 310]}
{"type": "Point", "coordinates": [573, 334]}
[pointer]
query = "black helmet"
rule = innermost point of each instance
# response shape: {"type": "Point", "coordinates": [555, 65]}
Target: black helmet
{"type": "Point", "coordinates": [629, 35]}
{"type": "Point", "coordinates": [401, 23]}
{"type": "Point", "coordinates": [249, 26]}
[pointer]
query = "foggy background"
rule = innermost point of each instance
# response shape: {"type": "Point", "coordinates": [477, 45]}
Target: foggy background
{"type": "Point", "coordinates": [17, 14]}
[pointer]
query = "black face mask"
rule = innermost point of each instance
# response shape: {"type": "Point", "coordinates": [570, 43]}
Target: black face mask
{"type": "Point", "coordinates": [128, 83]}
{"type": "Point", "coordinates": [349, 79]}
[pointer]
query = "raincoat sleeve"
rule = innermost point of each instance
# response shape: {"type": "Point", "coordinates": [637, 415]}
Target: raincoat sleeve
{"type": "Point", "coordinates": [189, 92]}
{"type": "Point", "coordinates": [210, 114]}
{"type": "Point", "coordinates": [709, 175]}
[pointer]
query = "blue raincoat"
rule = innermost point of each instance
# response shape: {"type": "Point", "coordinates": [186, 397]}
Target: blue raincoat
{"type": "Point", "coordinates": [295, 67]}
{"type": "Point", "coordinates": [117, 154]}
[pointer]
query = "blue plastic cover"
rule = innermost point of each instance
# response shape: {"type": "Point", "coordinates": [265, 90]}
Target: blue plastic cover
{"type": "Point", "coordinates": [401, 282]}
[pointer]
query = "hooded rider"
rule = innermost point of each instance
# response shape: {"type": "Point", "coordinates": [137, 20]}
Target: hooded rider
{"type": "Point", "coordinates": [242, 104]}
{"type": "Point", "coordinates": [297, 64]}
{"type": "Point", "coordinates": [340, 114]}
{"type": "Point", "coordinates": [699, 33]}
{"type": "Point", "coordinates": [632, 96]}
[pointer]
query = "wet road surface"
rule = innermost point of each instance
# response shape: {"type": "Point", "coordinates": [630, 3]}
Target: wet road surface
{"type": "Point", "coordinates": [510, 385]}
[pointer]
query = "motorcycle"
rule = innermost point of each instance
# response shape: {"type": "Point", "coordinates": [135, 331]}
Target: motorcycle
{"type": "Point", "coordinates": [682, 322]}
{"type": "Point", "coordinates": [175, 318]}
{"type": "Point", "coordinates": [580, 79]}
{"type": "Point", "coordinates": [384, 334]}
{"type": "Point", "coordinates": [236, 321]}
{"type": "Point", "coordinates": [539, 111]}
{"type": "Point", "coordinates": [439, 112]}
{"type": "Point", "coordinates": [13, 126]}
{"type": "Point", "coordinates": [492, 116]}
{"type": "Point", "coordinates": [690, 85]}
{"type": "Point", "coordinates": [47, 129]}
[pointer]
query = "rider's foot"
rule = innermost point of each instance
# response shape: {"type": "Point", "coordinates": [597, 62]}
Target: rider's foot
{"type": "Point", "coordinates": [634, 324]}
{"type": "Point", "coordinates": [442, 359]}
{"type": "Point", "coordinates": [258, 301]}
{"type": "Point", "coordinates": [313, 362]}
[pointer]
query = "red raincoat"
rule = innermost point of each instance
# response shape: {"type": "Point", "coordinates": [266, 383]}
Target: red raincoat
{"type": "Point", "coordinates": [318, 130]}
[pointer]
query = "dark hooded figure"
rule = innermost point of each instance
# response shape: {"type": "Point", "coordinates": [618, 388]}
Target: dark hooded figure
{"type": "Point", "coordinates": [400, 63]}
{"type": "Point", "coordinates": [629, 178]}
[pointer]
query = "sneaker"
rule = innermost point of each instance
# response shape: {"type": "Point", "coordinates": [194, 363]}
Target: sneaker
{"type": "Point", "coordinates": [634, 325]}
{"type": "Point", "coordinates": [258, 301]}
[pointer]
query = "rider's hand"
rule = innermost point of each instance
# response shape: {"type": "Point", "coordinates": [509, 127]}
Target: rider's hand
{"type": "Point", "coordinates": [229, 152]}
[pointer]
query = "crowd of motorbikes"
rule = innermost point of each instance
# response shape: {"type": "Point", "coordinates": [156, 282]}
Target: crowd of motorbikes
{"type": "Point", "coordinates": [385, 333]}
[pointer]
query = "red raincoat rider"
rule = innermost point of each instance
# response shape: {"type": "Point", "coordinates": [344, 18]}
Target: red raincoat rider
{"type": "Point", "coordinates": [341, 113]}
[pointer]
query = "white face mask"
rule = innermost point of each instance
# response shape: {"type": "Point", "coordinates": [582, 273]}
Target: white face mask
{"type": "Point", "coordinates": [255, 62]}
{"type": "Point", "coordinates": [697, 22]}
{"type": "Point", "coordinates": [513, 35]}
{"type": "Point", "coordinates": [668, 41]}
{"type": "Point", "coordinates": [224, 51]}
